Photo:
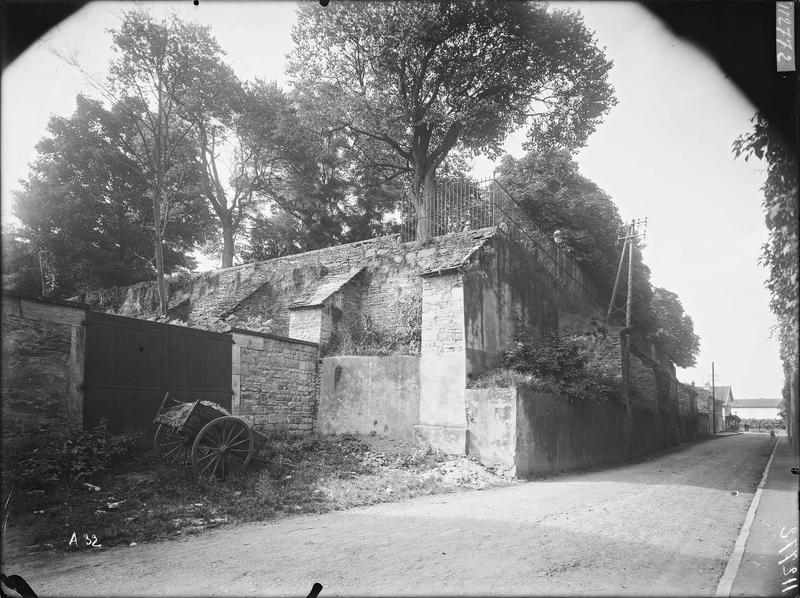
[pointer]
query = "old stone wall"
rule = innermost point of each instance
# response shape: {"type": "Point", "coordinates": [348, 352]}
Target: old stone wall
{"type": "Point", "coordinates": [370, 394]}
{"type": "Point", "coordinates": [267, 289]}
{"type": "Point", "coordinates": [642, 387]}
{"type": "Point", "coordinates": [42, 368]}
{"type": "Point", "coordinates": [274, 381]}
{"type": "Point", "coordinates": [442, 314]}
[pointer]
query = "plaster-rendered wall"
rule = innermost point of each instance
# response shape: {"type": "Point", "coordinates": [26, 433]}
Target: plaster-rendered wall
{"type": "Point", "coordinates": [492, 433]}
{"type": "Point", "coordinates": [274, 381]}
{"type": "Point", "coordinates": [369, 394]}
{"type": "Point", "coordinates": [555, 434]}
{"type": "Point", "coordinates": [305, 323]}
{"type": "Point", "coordinates": [541, 433]}
{"type": "Point", "coordinates": [442, 418]}
{"type": "Point", "coordinates": [507, 294]}
{"type": "Point", "coordinates": [42, 368]}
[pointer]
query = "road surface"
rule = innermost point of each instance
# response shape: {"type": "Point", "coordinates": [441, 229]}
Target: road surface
{"type": "Point", "coordinates": [664, 526]}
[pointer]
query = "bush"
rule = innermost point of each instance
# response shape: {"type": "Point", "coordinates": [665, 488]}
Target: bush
{"type": "Point", "coordinates": [370, 340]}
{"type": "Point", "coordinates": [80, 456]}
{"type": "Point", "coordinates": [563, 365]}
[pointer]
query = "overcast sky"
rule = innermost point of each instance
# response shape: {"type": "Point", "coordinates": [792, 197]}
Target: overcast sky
{"type": "Point", "coordinates": [663, 153]}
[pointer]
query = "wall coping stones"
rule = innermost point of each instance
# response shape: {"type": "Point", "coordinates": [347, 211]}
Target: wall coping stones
{"type": "Point", "coordinates": [275, 337]}
{"type": "Point", "coordinates": [8, 293]}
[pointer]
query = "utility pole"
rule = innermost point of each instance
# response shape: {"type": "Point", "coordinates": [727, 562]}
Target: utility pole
{"type": "Point", "coordinates": [713, 403]}
{"type": "Point", "coordinates": [627, 234]}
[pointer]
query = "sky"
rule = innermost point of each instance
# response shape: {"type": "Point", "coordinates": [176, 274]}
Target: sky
{"type": "Point", "coordinates": [663, 153]}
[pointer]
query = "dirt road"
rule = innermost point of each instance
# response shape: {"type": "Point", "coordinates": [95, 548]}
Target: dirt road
{"type": "Point", "coordinates": [661, 526]}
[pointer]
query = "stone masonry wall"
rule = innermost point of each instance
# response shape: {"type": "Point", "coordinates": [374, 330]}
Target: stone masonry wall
{"type": "Point", "coordinates": [266, 289]}
{"type": "Point", "coordinates": [643, 390]}
{"type": "Point", "coordinates": [442, 314]}
{"type": "Point", "coordinates": [274, 381]}
{"type": "Point", "coordinates": [42, 369]}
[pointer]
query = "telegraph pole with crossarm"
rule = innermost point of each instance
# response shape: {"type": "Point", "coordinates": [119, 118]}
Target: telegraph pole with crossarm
{"type": "Point", "coordinates": [636, 229]}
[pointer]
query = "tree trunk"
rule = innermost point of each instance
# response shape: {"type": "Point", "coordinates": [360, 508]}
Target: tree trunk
{"type": "Point", "coordinates": [162, 283]}
{"type": "Point", "coordinates": [227, 243]}
{"type": "Point", "coordinates": [158, 247]}
{"type": "Point", "coordinates": [425, 205]}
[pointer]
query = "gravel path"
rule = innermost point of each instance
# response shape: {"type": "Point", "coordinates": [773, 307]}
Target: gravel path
{"type": "Point", "coordinates": [664, 526]}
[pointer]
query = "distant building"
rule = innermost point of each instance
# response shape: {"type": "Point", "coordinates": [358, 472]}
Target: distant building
{"type": "Point", "coordinates": [723, 404]}
{"type": "Point", "coordinates": [757, 408]}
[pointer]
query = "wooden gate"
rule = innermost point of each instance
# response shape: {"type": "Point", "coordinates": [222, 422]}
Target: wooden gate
{"type": "Point", "coordinates": [131, 363]}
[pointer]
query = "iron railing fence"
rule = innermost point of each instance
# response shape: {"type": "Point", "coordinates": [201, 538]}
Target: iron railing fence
{"type": "Point", "coordinates": [474, 205]}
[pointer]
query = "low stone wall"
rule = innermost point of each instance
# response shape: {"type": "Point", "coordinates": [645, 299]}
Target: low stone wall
{"type": "Point", "coordinates": [274, 381]}
{"type": "Point", "coordinates": [369, 394]}
{"type": "Point", "coordinates": [540, 433]}
{"type": "Point", "coordinates": [42, 368]}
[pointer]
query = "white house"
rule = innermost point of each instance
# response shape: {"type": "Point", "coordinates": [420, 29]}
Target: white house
{"type": "Point", "coordinates": [757, 408]}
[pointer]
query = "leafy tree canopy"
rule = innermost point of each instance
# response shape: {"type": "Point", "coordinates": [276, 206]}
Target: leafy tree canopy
{"type": "Point", "coordinates": [780, 253]}
{"type": "Point", "coordinates": [409, 82]}
{"type": "Point", "coordinates": [84, 210]}
{"type": "Point", "coordinates": [558, 198]}
{"type": "Point", "coordinates": [675, 333]}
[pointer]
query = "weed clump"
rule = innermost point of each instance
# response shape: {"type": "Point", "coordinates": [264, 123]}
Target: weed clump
{"type": "Point", "coordinates": [561, 365]}
{"type": "Point", "coordinates": [40, 460]}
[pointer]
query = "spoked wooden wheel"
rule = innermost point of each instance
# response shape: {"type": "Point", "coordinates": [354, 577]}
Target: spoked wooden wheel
{"type": "Point", "coordinates": [172, 447]}
{"type": "Point", "coordinates": [222, 446]}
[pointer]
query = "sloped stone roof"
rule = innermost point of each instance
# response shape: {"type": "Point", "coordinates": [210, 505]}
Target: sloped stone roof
{"type": "Point", "coordinates": [325, 287]}
{"type": "Point", "coordinates": [458, 259]}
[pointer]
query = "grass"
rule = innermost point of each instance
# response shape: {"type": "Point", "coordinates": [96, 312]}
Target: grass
{"type": "Point", "coordinates": [142, 500]}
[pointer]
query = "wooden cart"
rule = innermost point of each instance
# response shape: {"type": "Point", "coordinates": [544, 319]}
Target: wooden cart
{"type": "Point", "coordinates": [213, 441]}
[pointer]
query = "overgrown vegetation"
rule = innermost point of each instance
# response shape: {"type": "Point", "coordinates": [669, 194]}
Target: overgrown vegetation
{"type": "Point", "coordinates": [123, 497]}
{"type": "Point", "coordinates": [42, 461]}
{"type": "Point", "coordinates": [562, 365]}
{"type": "Point", "coordinates": [780, 254]}
{"type": "Point", "coordinates": [370, 340]}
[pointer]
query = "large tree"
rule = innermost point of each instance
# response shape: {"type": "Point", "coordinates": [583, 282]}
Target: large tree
{"type": "Point", "coordinates": [674, 334]}
{"type": "Point", "coordinates": [410, 82]}
{"type": "Point", "coordinates": [84, 211]}
{"type": "Point", "coordinates": [162, 69]}
{"type": "Point", "coordinates": [318, 192]}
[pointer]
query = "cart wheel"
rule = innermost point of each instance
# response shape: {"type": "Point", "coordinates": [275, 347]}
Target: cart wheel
{"type": "Point", "coordinates": [223, 445]}
{"type": "Point", "coordinates": [171, 447]}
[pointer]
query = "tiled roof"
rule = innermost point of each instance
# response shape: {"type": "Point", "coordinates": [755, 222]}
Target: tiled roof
{"type": "Point", "coordinates": [722, 394]}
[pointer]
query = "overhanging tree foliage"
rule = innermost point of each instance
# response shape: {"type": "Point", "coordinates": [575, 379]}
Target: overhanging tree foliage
{"type": "Point", "coordinates": [675, 333]}
{"type": "Point", "coordinates": [410, 82]}
{"type": "Point", "coordinates": [558, 198]}
{"type": "Point", "coordinates": [84, 211]}
{"type": "Point", "coordinates": [780, 253]}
